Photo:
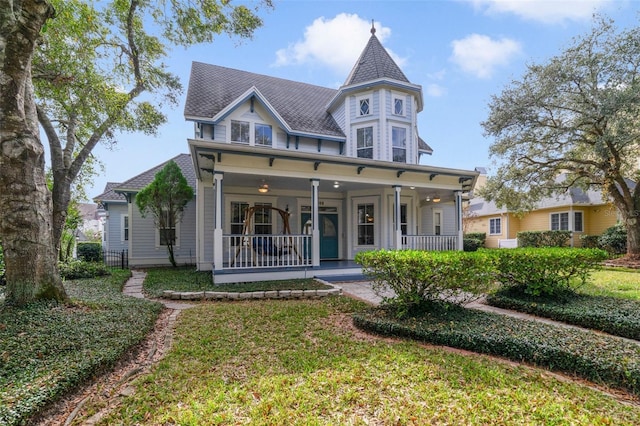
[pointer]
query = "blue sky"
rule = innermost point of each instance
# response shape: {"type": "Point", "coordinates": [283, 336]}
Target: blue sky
{"type": "Point", "coordinates": [461, 51]}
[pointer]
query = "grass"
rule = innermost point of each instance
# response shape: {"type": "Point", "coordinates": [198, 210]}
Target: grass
{"type": "Point", "coordinates": [188, 279]}
{"type": "Point", "coordinates": [614, 282]}
{"type": "Point", "coordinates": [295, 362]}
{"type": "Point", "coordinates": [47, 349]}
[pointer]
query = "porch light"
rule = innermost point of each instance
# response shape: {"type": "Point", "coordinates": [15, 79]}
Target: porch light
{"type": "Point", "coordinates": [264, 188]}
{"type": "Point", "coordinates": [336, 185]}
{"type": "Point", "coordinates": [436, 199]}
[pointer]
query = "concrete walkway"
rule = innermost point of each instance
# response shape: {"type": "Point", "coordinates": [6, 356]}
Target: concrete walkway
{"type": "Point", "coordinates": [133, 288]}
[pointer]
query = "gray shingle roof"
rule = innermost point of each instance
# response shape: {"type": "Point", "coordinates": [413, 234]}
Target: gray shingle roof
{"type": "Point", "coordinates": [138, 182]}
{"type": "Point", "coordinates": [109, 194]}
{"type": "Point", "coordinates": [374, 63]}
{"type": "Point", "coordinates": [302, 106]}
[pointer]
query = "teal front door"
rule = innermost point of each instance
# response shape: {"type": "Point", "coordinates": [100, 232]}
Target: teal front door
{"type": "Point", "coordinates": [328, 234]}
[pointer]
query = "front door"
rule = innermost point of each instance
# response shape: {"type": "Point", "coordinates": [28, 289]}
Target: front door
{"type": "Point", "coordinates": [328, 234]}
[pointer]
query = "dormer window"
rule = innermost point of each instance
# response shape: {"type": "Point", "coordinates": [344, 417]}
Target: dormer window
{"type": "Point", "coordinates": [240, 131]}
{"type": "Point", "coordinates": [364, 106]}
{"type": "Point", "coordinates": [263, 134]}
{"type": "Point", "coordinates": [398, 106]}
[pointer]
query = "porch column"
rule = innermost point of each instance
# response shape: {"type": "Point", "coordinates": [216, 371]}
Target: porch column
{"type": "Point", "coordinates": [458, 195]}
{"type": "Point", "coordinates": [397, 234]}
{"type": "Point", "coordinates": [315, 225]}
{"type": "Point", "coordinates": [218, 255]}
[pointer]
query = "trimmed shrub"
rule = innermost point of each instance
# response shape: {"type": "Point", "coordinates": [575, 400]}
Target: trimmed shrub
{"type": "Point", "coordinates": [612, 315]}
{"type": "Point", "coordinates": [90, 252]}
{"type": "Point", "coordinates": [593, 356]}
{"type": "Point", "coordinates": [590, 241]}
{"type": "Point", "coordinates": [80, 269]}
{"type": "Point", "coordinates": [482, 236]}
{"type": "Point", "coordinates": [419, 276]}
{"type": "Point", "coordinates": [471, 244]}
{"type": "Point", "coordinates": [614, 239]}
{"type": "Point", "coordinates": [545, 271]}
{"type": "Point", "coordinates": [543, 238]}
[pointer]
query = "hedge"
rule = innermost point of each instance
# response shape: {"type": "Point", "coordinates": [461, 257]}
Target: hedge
{"type": "Point", "coordinates": [543, 238]}
{"type": "Point", "coordinates": [416, 276]}
{"type": "Point", "coordinates": [545, 271]}
{"type": "Point", "coordinates": [90, 252]}
{"type": "Point", "coordinates": [611, 315]}
{"type": "Point", "coordinates": [596, 357]}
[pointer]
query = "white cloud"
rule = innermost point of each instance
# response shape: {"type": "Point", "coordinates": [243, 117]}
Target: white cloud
{"type": "Point", "coordinates": [335, 43]}
{"type": "Point", "coordinates": [480, 55]}
{"type": "Point", "coordinates": [547, 11]}
{"type": "Point", "coordinates": [435, 90]}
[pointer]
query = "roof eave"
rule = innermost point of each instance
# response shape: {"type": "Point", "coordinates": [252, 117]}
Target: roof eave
{"type": "Point", "coordinates": [378, 82]}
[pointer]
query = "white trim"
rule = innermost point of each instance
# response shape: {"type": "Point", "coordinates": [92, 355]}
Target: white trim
{"type": "Point", "coordinates": [359, 98]}
{"type": "Point", "coordinates": [403, 98]}
{"type": "Point", "coordinates": [407, 134]}
{"type": "Point", "coordinates": [570, 220]}
{"type": "Point", "coordinates": [355, 202]}
{"type": "Point", "coordinates": [157, 232]}
{"type": "Point", "coordinates": [374, 136]}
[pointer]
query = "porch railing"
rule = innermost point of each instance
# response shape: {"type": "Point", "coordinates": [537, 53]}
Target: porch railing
{"type": "Point", "coordinates": [430, 242]}
{"type": "Point", "coordinates": [266, 251]}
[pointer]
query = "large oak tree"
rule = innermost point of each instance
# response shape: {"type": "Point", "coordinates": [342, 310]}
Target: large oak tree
{"type": "Point", "coordinates": [577, 115]}
{"type": "Point", "coordinates": [85, 73]}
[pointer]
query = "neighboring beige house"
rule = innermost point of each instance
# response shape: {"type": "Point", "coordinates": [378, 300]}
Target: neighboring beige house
{"type": "Point", "coordinates": [584, 213]}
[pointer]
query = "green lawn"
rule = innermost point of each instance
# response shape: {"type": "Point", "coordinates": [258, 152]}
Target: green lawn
{"type": "Point", "coordinates": [614, 282]}
{"type": "Point", "coordinates": [300, 362]}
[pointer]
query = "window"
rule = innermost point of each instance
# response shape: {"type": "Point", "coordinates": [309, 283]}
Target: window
{"type": "Point", "coordinates": [578, 222]}
{"type": "Point", "coordinates": [365, 142]}
{"type": "Point", "coordinates": [365, 225]}
{"type": "Point", "coordinates": [263, 134]}
{"type": "Point", "coordinates": [437, 222]}
{"type": "Point", "coordinates": [398, 106]}
{"type": "Point", "coordinates": [403, 219]}
{"type": "Point", "coordinates": [240, 131]}
{"type": "Point", "coordinates": [559, 221]}
{"type": "Point", "coordinates": [495, 226]}
{"type": "Point", "coordinates": [364, 107]}
{"type": "Point", "coordinates": [262, 219]}
{"type": "Point", "coordinates": [125, 228]}
{"type": "Point", "coordinates": [238, 212]}
{"type": "Point", "coordinates": [168, 232]}
{"type": "Point", "coordinates": [399, 138]}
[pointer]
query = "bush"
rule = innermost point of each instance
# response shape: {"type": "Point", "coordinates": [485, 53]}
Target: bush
{"type": "Point", "coordinates": [596, 357]}
{"type": "Point", "coordinates": [590, 241]}
{"type": "Point", "coordinates": [80, 269]}
{"type": "Point", "coordinates": [614, 239]}
{"type": "Point", "coordinates": [545, 271]}
{"type": "Point", "coordinates": [482, 236]}
{"type": "Point", "coordinates": [471, 244]}
{"type": "Point", "coordinates": [609, 314]}
{"type": "Point", "coordinates": [90, 252]}
{"type": "Point", "coordinates": [419, 276]}
{"type": "Point", "coordinates": [543, 238]}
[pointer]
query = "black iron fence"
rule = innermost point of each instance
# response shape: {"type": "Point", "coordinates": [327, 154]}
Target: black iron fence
{"type": "Point", "coordinates": [116, 259]}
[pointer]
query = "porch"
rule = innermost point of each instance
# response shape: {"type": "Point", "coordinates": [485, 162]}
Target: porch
{"type": "Point", "coordinates": [276, 257]}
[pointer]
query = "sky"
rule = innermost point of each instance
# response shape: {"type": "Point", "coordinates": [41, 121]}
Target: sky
{"type": "Point", "coordinates": [462, 52]}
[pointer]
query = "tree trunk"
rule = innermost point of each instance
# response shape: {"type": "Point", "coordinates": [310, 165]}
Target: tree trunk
{"type": "Point", "coordinates": [25, 202]}
{"type": "Point", "coordinates": [633, 237]}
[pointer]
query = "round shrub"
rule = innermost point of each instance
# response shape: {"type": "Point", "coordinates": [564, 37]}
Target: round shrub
{"type": "Point", "coordinates": [90, 252]}
{"type": "Point", "coordinates": [471, 244]}
{"type": "Point", "coordinates": [614, 239]}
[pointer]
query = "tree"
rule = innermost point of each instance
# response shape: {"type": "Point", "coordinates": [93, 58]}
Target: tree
{"type": "Point", "coordinates": [166, 198]}
{"type": "Point", "coordinates": [30, 254]}
{"type": "Point", "coordinates": [90, 66]}
{"type": "Point", "coordinates": [576, 116]}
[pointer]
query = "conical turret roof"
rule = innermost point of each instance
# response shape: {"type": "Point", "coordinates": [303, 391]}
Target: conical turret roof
{"type": "Point", "coordinates": [374, 63]}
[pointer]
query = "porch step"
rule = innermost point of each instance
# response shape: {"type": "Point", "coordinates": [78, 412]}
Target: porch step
{"type": "Point", "coordinates": [342, 278]}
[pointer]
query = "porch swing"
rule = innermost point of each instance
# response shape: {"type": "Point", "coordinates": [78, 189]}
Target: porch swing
{"type": "Point", "coordinates": [264, 245]}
